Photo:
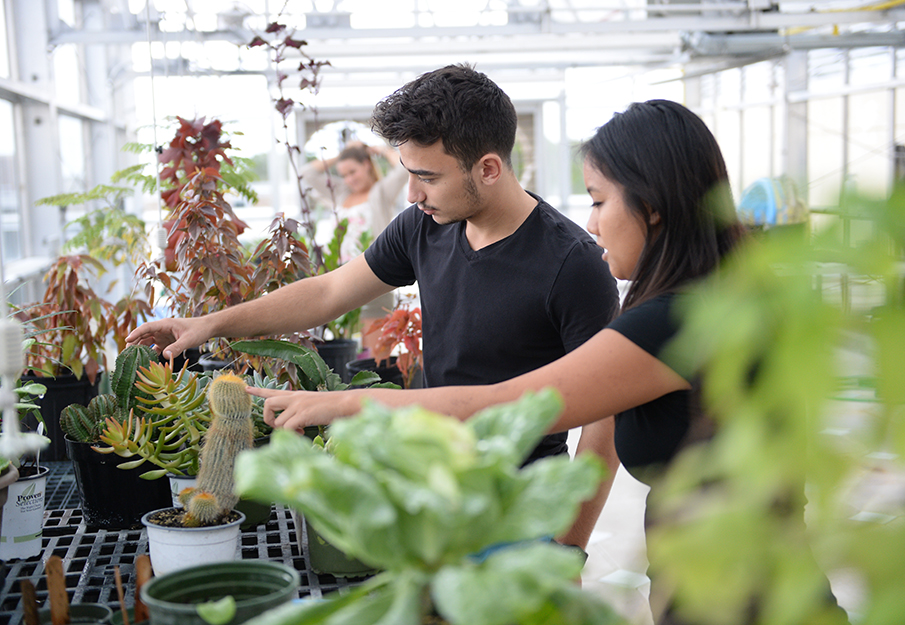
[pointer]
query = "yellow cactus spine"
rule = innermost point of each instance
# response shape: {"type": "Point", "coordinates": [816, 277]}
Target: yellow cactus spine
{"type": "Point", "coordinates": [231, 432]}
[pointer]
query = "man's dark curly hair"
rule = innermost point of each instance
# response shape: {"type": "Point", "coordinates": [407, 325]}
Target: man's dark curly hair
{"type": "Point", "coordinates": [457, 105]}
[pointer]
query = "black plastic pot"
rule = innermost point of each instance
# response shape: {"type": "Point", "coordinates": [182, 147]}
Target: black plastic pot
{"type": "Point", "coordinates": [61, 392]}
{"type": "Point", "coordinates": [389, 373]}
{"type": "Point", "coordinates": [113, 498]}
{"type": "Point", "coordinates": [337, 353]}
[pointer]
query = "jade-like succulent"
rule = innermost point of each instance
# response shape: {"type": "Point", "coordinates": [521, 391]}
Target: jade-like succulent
{"type": "Point", "coordinates": [169, 431]}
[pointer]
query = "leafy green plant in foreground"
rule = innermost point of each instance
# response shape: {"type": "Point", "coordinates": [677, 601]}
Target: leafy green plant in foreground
{"type": "Point", "coordinates": [417, 495]}
{"type": "Point", "coordinates": [778, 378]}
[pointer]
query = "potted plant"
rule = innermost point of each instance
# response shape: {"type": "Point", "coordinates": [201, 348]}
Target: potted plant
{"type": "Point", "coordinates": [441, 507]}
{"type": "Point", "coordinates": [157, 416]}
{"type": "Point", "coordinates": [23, 512]}
{"type": "Point", "coordinates": [74, 323]}
{"type": "Point", "coordinates": [334, 340]}
{"type": "Point", "coordinates": [111, 497]}
{"type": "Point", "coordinates": [207, 527]}
{"type": "Point", "coordinates": [400, 328]}
{"type": "Point", "coordinates": [205, 266]}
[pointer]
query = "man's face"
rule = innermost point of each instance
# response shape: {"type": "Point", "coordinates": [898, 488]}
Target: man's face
{"type": "Point", "coordinates": [438, 185]}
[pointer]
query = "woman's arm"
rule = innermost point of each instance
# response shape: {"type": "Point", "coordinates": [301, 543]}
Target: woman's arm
{"type": "Point", "coordinates": [607, 375]}
{"type": "Point", "coordinates": [315, 174]}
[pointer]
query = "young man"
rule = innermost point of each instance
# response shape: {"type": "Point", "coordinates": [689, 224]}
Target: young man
{"type": "Point", "coordinates": [507, 283]}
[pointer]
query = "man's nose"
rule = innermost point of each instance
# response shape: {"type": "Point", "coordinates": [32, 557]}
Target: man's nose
{"type": "Point", "coordinates": [416, 194]}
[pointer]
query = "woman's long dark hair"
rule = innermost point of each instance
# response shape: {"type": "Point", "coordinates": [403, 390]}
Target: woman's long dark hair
{"type": "Point", "coordinates": [668, 162]}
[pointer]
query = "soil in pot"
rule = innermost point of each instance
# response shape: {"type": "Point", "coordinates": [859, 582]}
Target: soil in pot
{"type": "Point", "coordinates": [256, 512]}
{"type": "Point", "coordinates": [175, 517]}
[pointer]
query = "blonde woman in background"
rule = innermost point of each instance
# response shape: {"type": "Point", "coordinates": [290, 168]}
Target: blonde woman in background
{"type": "Point", "coordinates": [366, 199]}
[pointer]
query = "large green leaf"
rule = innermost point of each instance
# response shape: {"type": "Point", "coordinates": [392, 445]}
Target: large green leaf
{"type": "Point", "coordinates": [514, 429]}
{"type": "Point", "coordinates": [305, 358]}
{"type": "Point", "coordinates": [525, 584]}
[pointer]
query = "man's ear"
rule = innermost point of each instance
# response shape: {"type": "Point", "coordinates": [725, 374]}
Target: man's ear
{"type": "Point", "coordinates": [489, 168]}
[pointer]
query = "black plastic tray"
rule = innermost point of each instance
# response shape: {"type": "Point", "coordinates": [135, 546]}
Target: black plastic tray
{"type": "Point", "coordinates": [90, 558]}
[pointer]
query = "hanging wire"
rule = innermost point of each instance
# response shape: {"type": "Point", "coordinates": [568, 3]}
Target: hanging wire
{"type": "Point", "coordinates": [161, 232]}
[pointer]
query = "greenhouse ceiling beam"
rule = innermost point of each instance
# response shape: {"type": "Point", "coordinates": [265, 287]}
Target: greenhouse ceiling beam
{"type": "Point", "coordinates": [708, 44]}
{"type": "Point", "coordinates": [745, 22]}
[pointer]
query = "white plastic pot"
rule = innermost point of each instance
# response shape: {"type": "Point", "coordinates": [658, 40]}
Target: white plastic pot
{"type": "Point", "coordinates": [23, 515]}
{"type": "Point", "coordinates": [178, 483]}
{"type": "Point", "coordinates": [174, 548]}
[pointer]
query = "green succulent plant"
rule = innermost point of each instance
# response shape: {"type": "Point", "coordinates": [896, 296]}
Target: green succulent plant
{"type": "Point", "coordinates": [86, 423]}
{"type": "Point", "coordinates": [169, 419]}
{"type": "Point", "coordinates": [168, 432]}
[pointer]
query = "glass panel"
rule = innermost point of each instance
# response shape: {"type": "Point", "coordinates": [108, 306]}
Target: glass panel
{"type": "Point", "coordinates": [10, 217]}
{"type": "Point", "coordinates": [72, 153]}
{"type": "Point", "coordinates": [825, 150]}
{"type": "Point", "coordinates": [826, 70]}
{"type": "Point", "coordinates": [4, 44]}
{"type": "Point", "coordinates": [870, 66]}
{"type": "Point", "coordinates": [66, 73]}
{"type": "Point", "coordinates": [870, 154]}
{"type": "Point", "coordinates": [757, 143]}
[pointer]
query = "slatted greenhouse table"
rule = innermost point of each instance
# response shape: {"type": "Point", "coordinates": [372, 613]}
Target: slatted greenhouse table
{"type": "Point", "coordinates": [90, 557]}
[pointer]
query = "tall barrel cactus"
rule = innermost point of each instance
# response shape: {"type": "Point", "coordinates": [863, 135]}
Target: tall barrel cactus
{"type": "Point", "coordinates": [122, 382]}
{"type": "Point", "coordinates": [231, 431]}
{"type": "Point", "coordinates": [86, 423]}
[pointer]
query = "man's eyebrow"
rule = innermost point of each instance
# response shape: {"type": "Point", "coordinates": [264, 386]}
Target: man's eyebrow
{"type": "Point", "coordinates": [419, 172]}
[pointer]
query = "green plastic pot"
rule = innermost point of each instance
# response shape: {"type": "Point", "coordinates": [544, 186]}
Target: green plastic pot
{"type": "Point", "coordinates": [324, 557]}
{"type": "Point", "coordinates": [255, 585]}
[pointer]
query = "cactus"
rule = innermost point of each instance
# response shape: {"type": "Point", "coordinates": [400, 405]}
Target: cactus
{"type": "Point", "coordinates": [125, 374]}
{"type": "Point", "coordinates": [231, 431]}
{"type": "Point", "coordinates": [77, 424]}
{"type": "Point", "coordinates": [85, 424]}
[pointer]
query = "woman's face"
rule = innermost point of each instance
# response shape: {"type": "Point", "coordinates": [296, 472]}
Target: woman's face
{"type": "Point", "coordinates": [618, 229]}
{"type": "Point", "coordinates": [359, 177]}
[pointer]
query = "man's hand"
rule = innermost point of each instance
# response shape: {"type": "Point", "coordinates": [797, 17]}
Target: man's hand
{"type": "Point", "coordinates": [296, 410]}
{"type": "Point", "coordinates": [170, 337]}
